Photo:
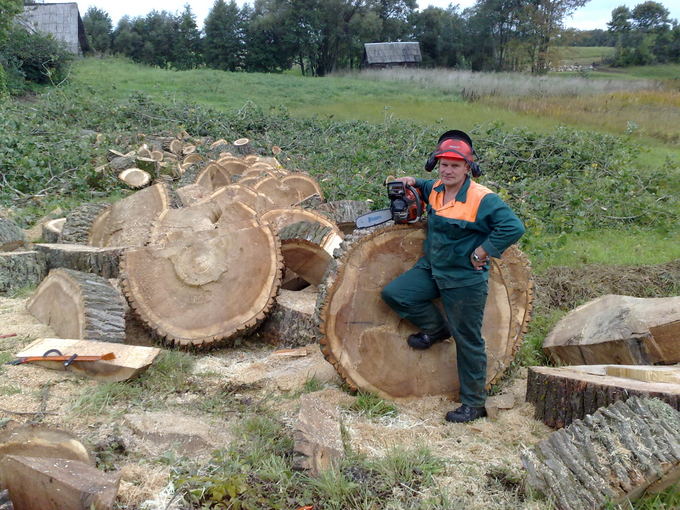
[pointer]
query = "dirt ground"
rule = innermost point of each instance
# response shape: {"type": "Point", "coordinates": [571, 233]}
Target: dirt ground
{"type": "Point", "coordinates": [143, 443]}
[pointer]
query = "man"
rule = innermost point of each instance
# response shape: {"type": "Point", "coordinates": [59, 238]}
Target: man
{"type": "Point", "coordinates": [466, 224]}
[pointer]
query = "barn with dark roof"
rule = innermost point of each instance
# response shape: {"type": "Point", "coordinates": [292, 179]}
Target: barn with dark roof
{"type": "Point", "coordinates": [392, 54]}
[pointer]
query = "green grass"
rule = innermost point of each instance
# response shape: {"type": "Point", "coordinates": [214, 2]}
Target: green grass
{"type": "Point", "coordinates": [583, 55]}
{"type": "Point", "coordinates": [372, 406]}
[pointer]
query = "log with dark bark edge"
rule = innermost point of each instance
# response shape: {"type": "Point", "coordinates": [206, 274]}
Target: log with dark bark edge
{"type": "Point", "coordinates": [344, 212]}
{"type": "Point", "coordinates": [128, 221]}
{"type": "Point", "coordinates": [612, 456]}
{"type": "Point", "coordinates": [129, 361]}
{"type": "Point", "coordinates": [303, 252]}
{"type": "Point", "coordinates": [366, 341]}
{"type": "Point", "coordinates": [57, 484]}
{"type": "Point", "coordinates": [243, 146]}
{"type": "Point", "coordinates": [203, 215]}
{"type": "Point", "coordinates": [288, 190]}
{"type": "Point", "coordinates": [41, 441]}
{"type": "Point", "coordinates": [285, 216]}
{"type": "Point", "coordinates": [562, 395]}
{"type": "Point", "coordinates": [618, 330]}
{"type": "Point", "coordinates": [5, 502]}
{"type": "Point", "coordinates": [88, 259]}
{"type": "Point", "coordinates": [135, 177]}
{"type": "Point", "coordinates": [20, 269]}
{"type": "Point", "coordinates": [207, 287]}
{"type": "Point", "coordinates": [236, 193]}
{"type": "Point", "coordinates": [51, 230]}
{"type": "Point", "coordinates": [292, 322]}
{"type": "Point", "coordinates": [79, 305]}
{"type": "Point", "coordinates": [78, 222]}
{"type": "Point", "coordinates": [11, 236]}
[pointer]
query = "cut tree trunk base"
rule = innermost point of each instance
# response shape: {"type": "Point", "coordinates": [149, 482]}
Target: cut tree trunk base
{"type": "Point", "coordinates": [611, 456]}
{"type": "Point", "coordinates": [19, 269]}
{"type": "Point", "coordinates": [88, 259]}
{"type": "Point", "coordinates": [562, 395]}
{"type": "Point", "coordinates": [292, 322]}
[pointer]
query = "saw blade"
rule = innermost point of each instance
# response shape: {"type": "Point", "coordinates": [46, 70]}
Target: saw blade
{"type": "Point", "coordinates": [374, 218]}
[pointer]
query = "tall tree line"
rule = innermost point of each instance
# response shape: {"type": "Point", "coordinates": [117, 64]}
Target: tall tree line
{"type": "Point", "coordinates": [320, 36]}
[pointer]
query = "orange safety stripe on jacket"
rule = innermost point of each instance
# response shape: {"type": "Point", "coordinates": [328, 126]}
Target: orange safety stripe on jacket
{"type": "Point", "coordinates": [455, 210]}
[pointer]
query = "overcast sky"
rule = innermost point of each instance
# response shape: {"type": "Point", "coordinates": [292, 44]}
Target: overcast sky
{"type": "Point", "coordinates": [595, 14]}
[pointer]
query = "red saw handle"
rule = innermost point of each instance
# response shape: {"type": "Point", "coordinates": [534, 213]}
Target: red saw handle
{"type": "Point", "coordinates": [107, 356]}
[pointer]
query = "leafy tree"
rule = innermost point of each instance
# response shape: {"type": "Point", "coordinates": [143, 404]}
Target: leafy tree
{"type": "Point", "coordinates": [98, 29]}
{"type": "Point", "coordinates": [440, 34]}
{"type": "Point", "coordinates": [187, 51]}
{"type": "Point", "coordinates": [224, 36]}
{"type": "Point", "coordinates": [650, 16]}
{"type": "Point", "coordinates": [394, 16]}
{"type": "Point", "coordinates": [620, 22]}
{"type": "Point", "coordinates": [126, 39]}
{"type": "Point", "coordinates": [268, 25]}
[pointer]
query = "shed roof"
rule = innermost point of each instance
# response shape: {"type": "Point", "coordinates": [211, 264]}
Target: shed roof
{"type": "Point", "coordinates": [61, 20]}
{"type": "Point", "coordinates": [392, 52]}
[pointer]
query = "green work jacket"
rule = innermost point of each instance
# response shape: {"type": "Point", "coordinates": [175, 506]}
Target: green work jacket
{"type": "Point", "coordinates": [476, 217]}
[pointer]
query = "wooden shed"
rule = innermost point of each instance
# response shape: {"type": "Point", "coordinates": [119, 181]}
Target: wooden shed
{"type": "Point", "coordinates": [392, 54]}
{"type": "Point", "coordinates": [62, 20]}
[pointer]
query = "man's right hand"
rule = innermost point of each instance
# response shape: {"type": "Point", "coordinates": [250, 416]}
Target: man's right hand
{"type": "Point", "coordinates": [406, 180]}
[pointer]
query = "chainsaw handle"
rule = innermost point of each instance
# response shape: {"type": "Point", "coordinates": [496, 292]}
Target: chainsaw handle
{"type": "Point", "coordinates": [419, 201]}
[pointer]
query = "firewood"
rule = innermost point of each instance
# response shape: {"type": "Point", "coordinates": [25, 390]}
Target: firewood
{"type": "Point", "coordinates": [317, 438]}
{"type": "Point", "coordinates": [130, 360]}
{"type": "Point", "coordinates": [112, 154]}
{"type": "Point", "coordinates": [618, 330]}
{"type": "Point", "coordinates": [362, 335]}
{"type": "Point", "coordinates": [57, 484]}
{"type": "Point", "coordinates": [288, 190]}
{"type": "Point", "coordinates": [188, 149]}
{"type": "Point", "coordinates": [88, 259]}
{"type": "Point", "coordinates": [176, 147]}
{"type": "Point", "coordinates": [213, 176]}
{"type": "Point", "coordinates": [79, 305]}
{"type": "Point", "coordinates": [79, 222]}
{"type": "Point", "coordinates": [40, 441]}
{"type": "Point", "coordinates": [237, 193]}
{"type": "Point", "coordinates": [191, 193]}
{"type": "Point", "coordinates": [135, 177]}
{"type": "Point", "coordinates": [147, 164]}
{"type": "Point", "coordinates": [292, 322]}
{"type": "Point", "coordinates": [121, 163]}
{"type": "Point", "coordinates": [128, 221]}
{"type": "Point", "coordinates": [19, 269]}
{"type": "Point", "coordinates": [11, 236]}
{"type": "Point", "coordinates": [51, 230]}
{"type": "Point", "coordinates": [562, 395]}
{"type": "Point", "coordinates": [611, 456]}
{"type": "Point", "coordinates": [192, 158]}
{"type": "Point", "coordinates": [205, 288]}
{"type": "Point", "coordinates": [243, 146]}
{"type": "Point", "coordinates": [144, 152]}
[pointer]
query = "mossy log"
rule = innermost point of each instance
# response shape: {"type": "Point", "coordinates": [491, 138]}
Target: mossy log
{"type": "Point", "coordinates": [344, 212]}
{"type": "Point", "coordinates": [11, 236]}
{"type": "Point", "coordinates": [79, 305]}
{"type": "Point", "coordinates": [79, 221]}
{"type": "Point", "coordinates": [613, 455]}
{"type": "Point", "coordinates": [563, 394]}
{"type": "Point", "coordinates": [51, 230]}
{"type": "Point", "coordinates": [88, 259]}
{"type": "Point", "coordinates": [205, 288]}
{"type": "Point", "coordinates": [19, 269]}
{"type": "Point", "coordinates": [362, 335]}
{"type": "Point", "coordinates": [292, 322]}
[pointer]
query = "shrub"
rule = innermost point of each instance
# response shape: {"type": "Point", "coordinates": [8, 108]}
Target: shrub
{"type": "Point", "coordinates": [3, 83]}
{"type": "Point", "coordinates": [38, 57]}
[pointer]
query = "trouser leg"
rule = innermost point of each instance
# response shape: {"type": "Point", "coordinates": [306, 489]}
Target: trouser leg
{"type": "Point", "coordinates": [410, 296]}
{"type": "Point", "coordinates": [464, 307]}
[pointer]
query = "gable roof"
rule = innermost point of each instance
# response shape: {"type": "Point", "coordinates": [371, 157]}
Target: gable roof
{"type": "Point", "coordinates": [63, 21]}
{"type": "Point", "coordinates": [392, 52]}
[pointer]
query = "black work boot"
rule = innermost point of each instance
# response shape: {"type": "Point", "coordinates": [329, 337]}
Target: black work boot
{"type": "Point", "coordinates": [465, 413]}
{"type": "Point", "coordinates": [422, 341]}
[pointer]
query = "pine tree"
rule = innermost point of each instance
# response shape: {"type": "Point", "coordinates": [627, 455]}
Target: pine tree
{"type": "Point", "coordinates": [224, 37]}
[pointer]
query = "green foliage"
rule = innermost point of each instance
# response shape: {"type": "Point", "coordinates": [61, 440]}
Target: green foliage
{"type": "Point", "coordinates": [224, 36]}
{"type": "Point", "coordinates": [8, 10]}
{"type": "Point", "coordinates": [373, 406]}
{"type": "Point", "coordinates": [4, 91]}
{"type": "Point", "coordinates": [98, 29]}
{"type": "Point", "coordinates": [531, 352]}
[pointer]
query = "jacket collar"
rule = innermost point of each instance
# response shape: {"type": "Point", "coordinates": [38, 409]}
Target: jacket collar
{"type": "Point", "coordinates": [461, 196]}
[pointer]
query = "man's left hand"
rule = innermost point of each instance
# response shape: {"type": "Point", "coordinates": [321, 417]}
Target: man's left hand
{"type": "Point", "coordinates": [479, 258]}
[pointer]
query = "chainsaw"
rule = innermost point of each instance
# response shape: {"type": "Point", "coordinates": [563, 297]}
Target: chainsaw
{"type": "Point", "coordinates": [406, 206]}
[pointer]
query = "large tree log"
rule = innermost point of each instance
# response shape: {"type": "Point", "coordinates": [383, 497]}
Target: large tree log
{"type": "Point", "coordinates": [292, 322]}
{"type": "Point", "coordinates": [303, 252]}
{"type": "Point", "coordinates": [281, 218]}
{"type": "Point", "coordinates": [51, 230]}
{"type": "Point", "coordinates": [288, 190]}
{"type": "Point", "coordinates": [79, 221]}
{"type": "Point", "coordinates": [191, 193]}
{"type": "Point", "coordinates": [562, 395]}
{"type": "Point", "coordinates": [130, 360]}
{"type": "Point", "coordinates": [213, 176]}
{"type": "Point", "coordinates": [205, 288]}
{"type": "Point", "coordinates": [618, 330]}
{"type": "Point", "coordinates": [611, 456]}
{"type": "Point", "coordinates": [39, 441]}
{"type": "Point", "coordinates": [57, 484]}
{"type": "Point", "coordinates": [11, 236]}
{"type": "Point", "coordinates": [88, 259]}
{"type": "Point", "coordinates": [345, 212]}
{"type": "Point", "coordinates": [79, 305]}
{"type": "Point", "coordinates": [128, 221]}
{"type": "Point", "coordinates": [20, 269]}
{"type": "Point", "coordinates": [366, 341]}
{"type": "Point", "coordinates": [135, 177]}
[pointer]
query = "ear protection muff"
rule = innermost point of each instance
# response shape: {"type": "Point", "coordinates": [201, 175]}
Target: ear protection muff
{"type": "Point", "coordinates": [455, 134]}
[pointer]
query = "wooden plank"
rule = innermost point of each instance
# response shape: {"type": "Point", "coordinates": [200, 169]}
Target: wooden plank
{"type": "Point", "coordinates": [130, 361]}
{"type": "Point", "coordinates": [57, 484]}
{"type": "Point", "coordinates": [646, 374]}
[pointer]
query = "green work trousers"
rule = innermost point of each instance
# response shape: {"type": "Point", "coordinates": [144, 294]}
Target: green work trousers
{"type": "Point", "coordinates": [411, 296]}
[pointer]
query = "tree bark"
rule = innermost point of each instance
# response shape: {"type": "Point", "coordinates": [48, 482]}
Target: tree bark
{"type": "Point", "coordinates": [51, 230]}
{"type": "Point", "coordinates": [345, 212]}
{"type": "Point", "coordinates": [11, 236]}
{"type": "Point", "coordinates": [292, 322]}
{"type": "Point", "coordinates": [39, 441]}
{"type": "Point", "coordinates": [103, 262]}
{"type": "Point", "coordinates": [78, 222]}
{"type": "Point", "coordinates": [20, 269]}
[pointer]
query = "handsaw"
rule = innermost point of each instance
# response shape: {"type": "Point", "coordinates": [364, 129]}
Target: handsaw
{"type": "Point", "coordinates": [58, 356]}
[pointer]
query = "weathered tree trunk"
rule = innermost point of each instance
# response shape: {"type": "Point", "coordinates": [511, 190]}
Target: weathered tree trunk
{"type": "Point", "coordinates": [611, 456]}
{"type": "Point", "coordinates": [303, 252]}
{"type": "Point", "coordinates": [11, 236]}
{"type": "Point", "coordinates": [618, 330]}
{"type": "Point", "coordinates": [207, 287]}
{"type": "Point", "coordinates": [345, 212]}
{"type": "Point", "coordinates": [88, 259]}
{"type": "Point", "coordinates": [78, 222]}
{"type": "Point", "coordinates": [51, 230]}
{"type": "Point", "coordinates": [121, 163]}
{"type": "Point", "coordinates": [562, 395]}
{"type": "Point", "coordinates": [39, 441]}
{"type": "Point", "coordinates": [362, 335]}
{"type": "Point", "coordinates": [21, 269]}
{"type": "Point", "coordinates": [292, 322]}
{"type": "Point", "coordinates": [243, 146]}
{"type": "Point", "coordinates": [57, 484]}
{"type": "Point", "coordinates": [79, 305]}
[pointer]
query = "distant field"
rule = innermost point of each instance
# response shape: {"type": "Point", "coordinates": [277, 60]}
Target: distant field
{"type": "Point", "coordinates": [583, 55]}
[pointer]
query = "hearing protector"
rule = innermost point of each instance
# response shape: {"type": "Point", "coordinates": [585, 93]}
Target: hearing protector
{"type": "Point", "coordinates": [454, 134]}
